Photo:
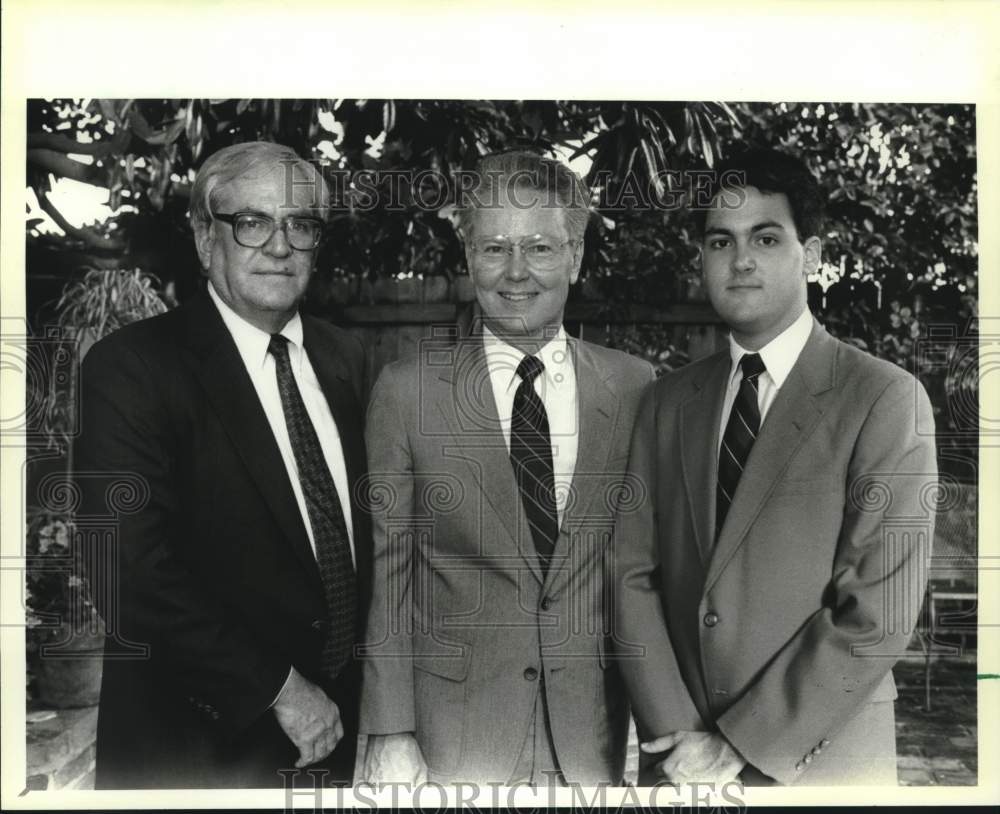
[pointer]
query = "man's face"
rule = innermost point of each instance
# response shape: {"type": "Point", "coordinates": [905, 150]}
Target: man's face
{"type": "Point", "coordinates": [262, 285]}
{"type": "Point", "coordinates": [755, 266]}
{"type": "Point", "coordinates": [521, 303]}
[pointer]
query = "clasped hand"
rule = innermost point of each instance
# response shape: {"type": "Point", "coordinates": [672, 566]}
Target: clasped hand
{"type": "Point", "coordinates": [309, 718]}
{"type": "Point", "coordinates": [704, 757]}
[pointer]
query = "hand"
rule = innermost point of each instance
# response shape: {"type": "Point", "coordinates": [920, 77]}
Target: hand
{"type": "Point", "coordinates": [703, 757]}
{"type": "Point", "coordinates": [309, 718]}
{"type": "Point", "coordinates": [394, 759]}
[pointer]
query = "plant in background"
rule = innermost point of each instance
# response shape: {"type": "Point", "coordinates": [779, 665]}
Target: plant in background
{"type": "Point", "coordinates": [63, 624]}
{"type": "Point", "coordinates": [57, 595]}
{"type": "Point", "coordinates": [89, 309]}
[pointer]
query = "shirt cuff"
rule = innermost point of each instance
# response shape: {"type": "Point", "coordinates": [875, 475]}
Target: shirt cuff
{"type": "Point", "coordinates": [289, 678]}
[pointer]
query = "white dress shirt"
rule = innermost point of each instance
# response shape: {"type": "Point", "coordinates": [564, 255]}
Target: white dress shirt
{"type": "Point", "coordinates": [252, 343]}
{"type": "Point", "coordinates": [556, 386]}
{"type": "Point", "coordinates": [779, 356]}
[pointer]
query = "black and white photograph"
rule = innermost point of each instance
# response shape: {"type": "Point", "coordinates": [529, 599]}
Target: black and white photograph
{"type": "Point", "coordinates": [573, 448]}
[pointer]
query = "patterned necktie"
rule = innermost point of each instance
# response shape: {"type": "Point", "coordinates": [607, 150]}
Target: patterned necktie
{"type": "Point", "coordinates": [326, 516]}
{"type": "Point", "coordinates": [737, 440]}
{"type": "Point", "coordinates": [531, 457]}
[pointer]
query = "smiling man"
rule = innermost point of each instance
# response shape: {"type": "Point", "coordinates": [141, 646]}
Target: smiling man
{"type": "Point", "coordinates": [243, 569]}
{"type": "Point", "coordinates": [498, 460]}
{"type": "Point", "coordinates": [777, 569]}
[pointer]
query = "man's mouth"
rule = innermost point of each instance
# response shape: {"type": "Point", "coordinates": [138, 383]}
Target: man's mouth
{"type": "Point", "coordinates": [511, 296]}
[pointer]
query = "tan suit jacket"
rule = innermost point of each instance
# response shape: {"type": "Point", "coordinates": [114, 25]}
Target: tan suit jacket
{"type": "Point", "coordinates": [462, 619]}
{"type": "Point", "coordinates": [784, 631]}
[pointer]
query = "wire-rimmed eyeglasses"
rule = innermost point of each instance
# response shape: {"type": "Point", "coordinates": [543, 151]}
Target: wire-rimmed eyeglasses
{"type": "Point", "coordinates": [540, 252]}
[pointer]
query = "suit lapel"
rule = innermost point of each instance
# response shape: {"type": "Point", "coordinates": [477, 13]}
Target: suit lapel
{"type": "Point", "coordinates": [793, 416]}
{"type": "Point", "coordinates": [233, 397]}
{"type": "Point", "coordinates": [699, 437]}
{"type": "Point", "coordinates": [597, 412]}
{"type": "Point", "coordinates": [470, 411]}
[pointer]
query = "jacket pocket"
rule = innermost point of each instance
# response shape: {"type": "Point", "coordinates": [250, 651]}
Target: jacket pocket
{"type": "Point", "coordinates": [440, 696]}
{"type": "Point", "coordinates": [453, 666]}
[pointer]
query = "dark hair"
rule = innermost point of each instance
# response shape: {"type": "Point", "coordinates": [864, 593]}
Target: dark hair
{"type": "Point", "coordinates": [772, 171]}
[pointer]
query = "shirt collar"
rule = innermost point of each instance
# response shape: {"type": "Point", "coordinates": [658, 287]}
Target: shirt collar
{"type": "Point", "coordinates": [501, 357]}
{"type": "Point", "coordinates": [781, 353]}
{"type": "Point", "coordinates": [251, 341]}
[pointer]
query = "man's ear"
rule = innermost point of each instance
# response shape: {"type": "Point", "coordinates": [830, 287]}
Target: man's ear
{"type": "Point", "coordinates": [465, 239]}
{"type": "Point", "coordinates": [577, 260]}
{"type": "Point", "coordinates": [204, 238]}
{"type": "Point", "coordinates": [812, 255]}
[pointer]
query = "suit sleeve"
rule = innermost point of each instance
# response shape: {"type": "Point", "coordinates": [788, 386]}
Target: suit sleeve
{"type": "Point", "coordinates": [659, 698]}
{"type": "Point", "coordinates": [837, 659]}
{"type": "Point", "coordinates": [387, 705]}
{"type": "Point", "coordinates": [143, 590]}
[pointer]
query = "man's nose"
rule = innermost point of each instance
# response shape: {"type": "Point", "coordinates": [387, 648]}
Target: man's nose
{"type": "Point", "coordinates": [743, 262]}
{"type": "Point", "coordinates": [277, 244]}
{"type": "Point", "coordinates": [517, 267]}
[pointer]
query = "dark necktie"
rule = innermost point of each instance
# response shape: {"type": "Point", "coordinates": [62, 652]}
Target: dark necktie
{"type": "Point", "coordinates": [326, 516]}
{"type": "Point", "coordinates": [531, 457]}
{"type": "Point", "coordinates": [737, 440]}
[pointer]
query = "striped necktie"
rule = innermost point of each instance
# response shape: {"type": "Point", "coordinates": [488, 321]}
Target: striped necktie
{"type": "Point", "coordinates": [737, 440]}
{"type": "Point", "coordinates": [531, 457]}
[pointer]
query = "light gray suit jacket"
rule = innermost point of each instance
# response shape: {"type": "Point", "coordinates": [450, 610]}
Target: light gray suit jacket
{"type": "Point", "coordinates": [461, 614]}
{"type": "Point", "coordinates": [784, 630]}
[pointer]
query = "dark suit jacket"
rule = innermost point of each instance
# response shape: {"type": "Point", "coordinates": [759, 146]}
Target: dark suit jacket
{"type": "Point", "coordinates": [463, 621]}
{"type": "Point", "coordinates": [208, 584]}
{"type": "Point", "coordinates": [781, 634]}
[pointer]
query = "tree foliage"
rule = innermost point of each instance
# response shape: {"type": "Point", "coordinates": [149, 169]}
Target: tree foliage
{"type": "Point", "coordinates": [900, 244]}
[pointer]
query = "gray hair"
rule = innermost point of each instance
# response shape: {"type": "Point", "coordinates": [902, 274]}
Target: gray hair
{"type": "Point", "coordinates": [246, 159]}
{"type": "Point", "coordinates": [522, 169]}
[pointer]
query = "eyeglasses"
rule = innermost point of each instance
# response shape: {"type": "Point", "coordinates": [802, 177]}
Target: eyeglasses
{"type": "Point", "coordinates": [540, 252]}
{"type": "Point", "coordinates": [252, 230]}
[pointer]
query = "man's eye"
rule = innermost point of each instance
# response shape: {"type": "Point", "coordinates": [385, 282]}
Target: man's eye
{"type": "Point", "coordinates": [767, 240]}
{"type": "Point", "coordinates": [718, 243]}
{"type": "Point", "coordinates": [539, 249]}
{"type": "Point", "coordinates": [303, 227]}
{"type": "Point", "coordinates": [252, 222]}
{"type": "Point", "coordinates": [493, 248]}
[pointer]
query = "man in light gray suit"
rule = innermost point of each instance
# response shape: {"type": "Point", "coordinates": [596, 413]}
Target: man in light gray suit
{"type": "Point", "coordinates": [777, 569]}
{"type": "Point", "coordinates": [497, 465]}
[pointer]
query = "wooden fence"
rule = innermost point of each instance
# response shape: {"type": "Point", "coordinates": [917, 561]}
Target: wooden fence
{"type": "Point", "coordinates": [392, 317]}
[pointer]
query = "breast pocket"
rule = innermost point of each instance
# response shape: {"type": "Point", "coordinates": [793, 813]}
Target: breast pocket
{"type": "Point", "coordinates": [824, 485]}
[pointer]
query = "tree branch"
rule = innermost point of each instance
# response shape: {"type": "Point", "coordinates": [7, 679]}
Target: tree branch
{"type": "Point", "coordinates": [64, 144]}
{"type": "Point", "coordinates": [88, 236]}
{"type": "Point", "coordinates": [62, 165]}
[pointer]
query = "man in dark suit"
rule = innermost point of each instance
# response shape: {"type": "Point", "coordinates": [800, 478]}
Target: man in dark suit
{"type": "Point", "coordinates": [242, 568]}
{"type": "Point", "coordinates": [777, 567]}
{"type": "Point", "coordinates": [498, 462]}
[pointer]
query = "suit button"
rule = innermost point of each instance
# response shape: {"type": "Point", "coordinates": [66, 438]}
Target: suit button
{"type": "Point", "coordinates": [711, 619]}
{"type": "Point", "coordinates": [318, 625]}
{"type": "Point", "coordinates": [531, 674]}
{"type": "Point", "coordinates": [547, 603]}
{"type": "Point", "coordinates": [798, 766]}
{"type": "Point", "coordinates": [807, 759]}
{"type": "Point", "coordinates": [824, 742]}
{"type": "Point", "coordinates": [817, 749]}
